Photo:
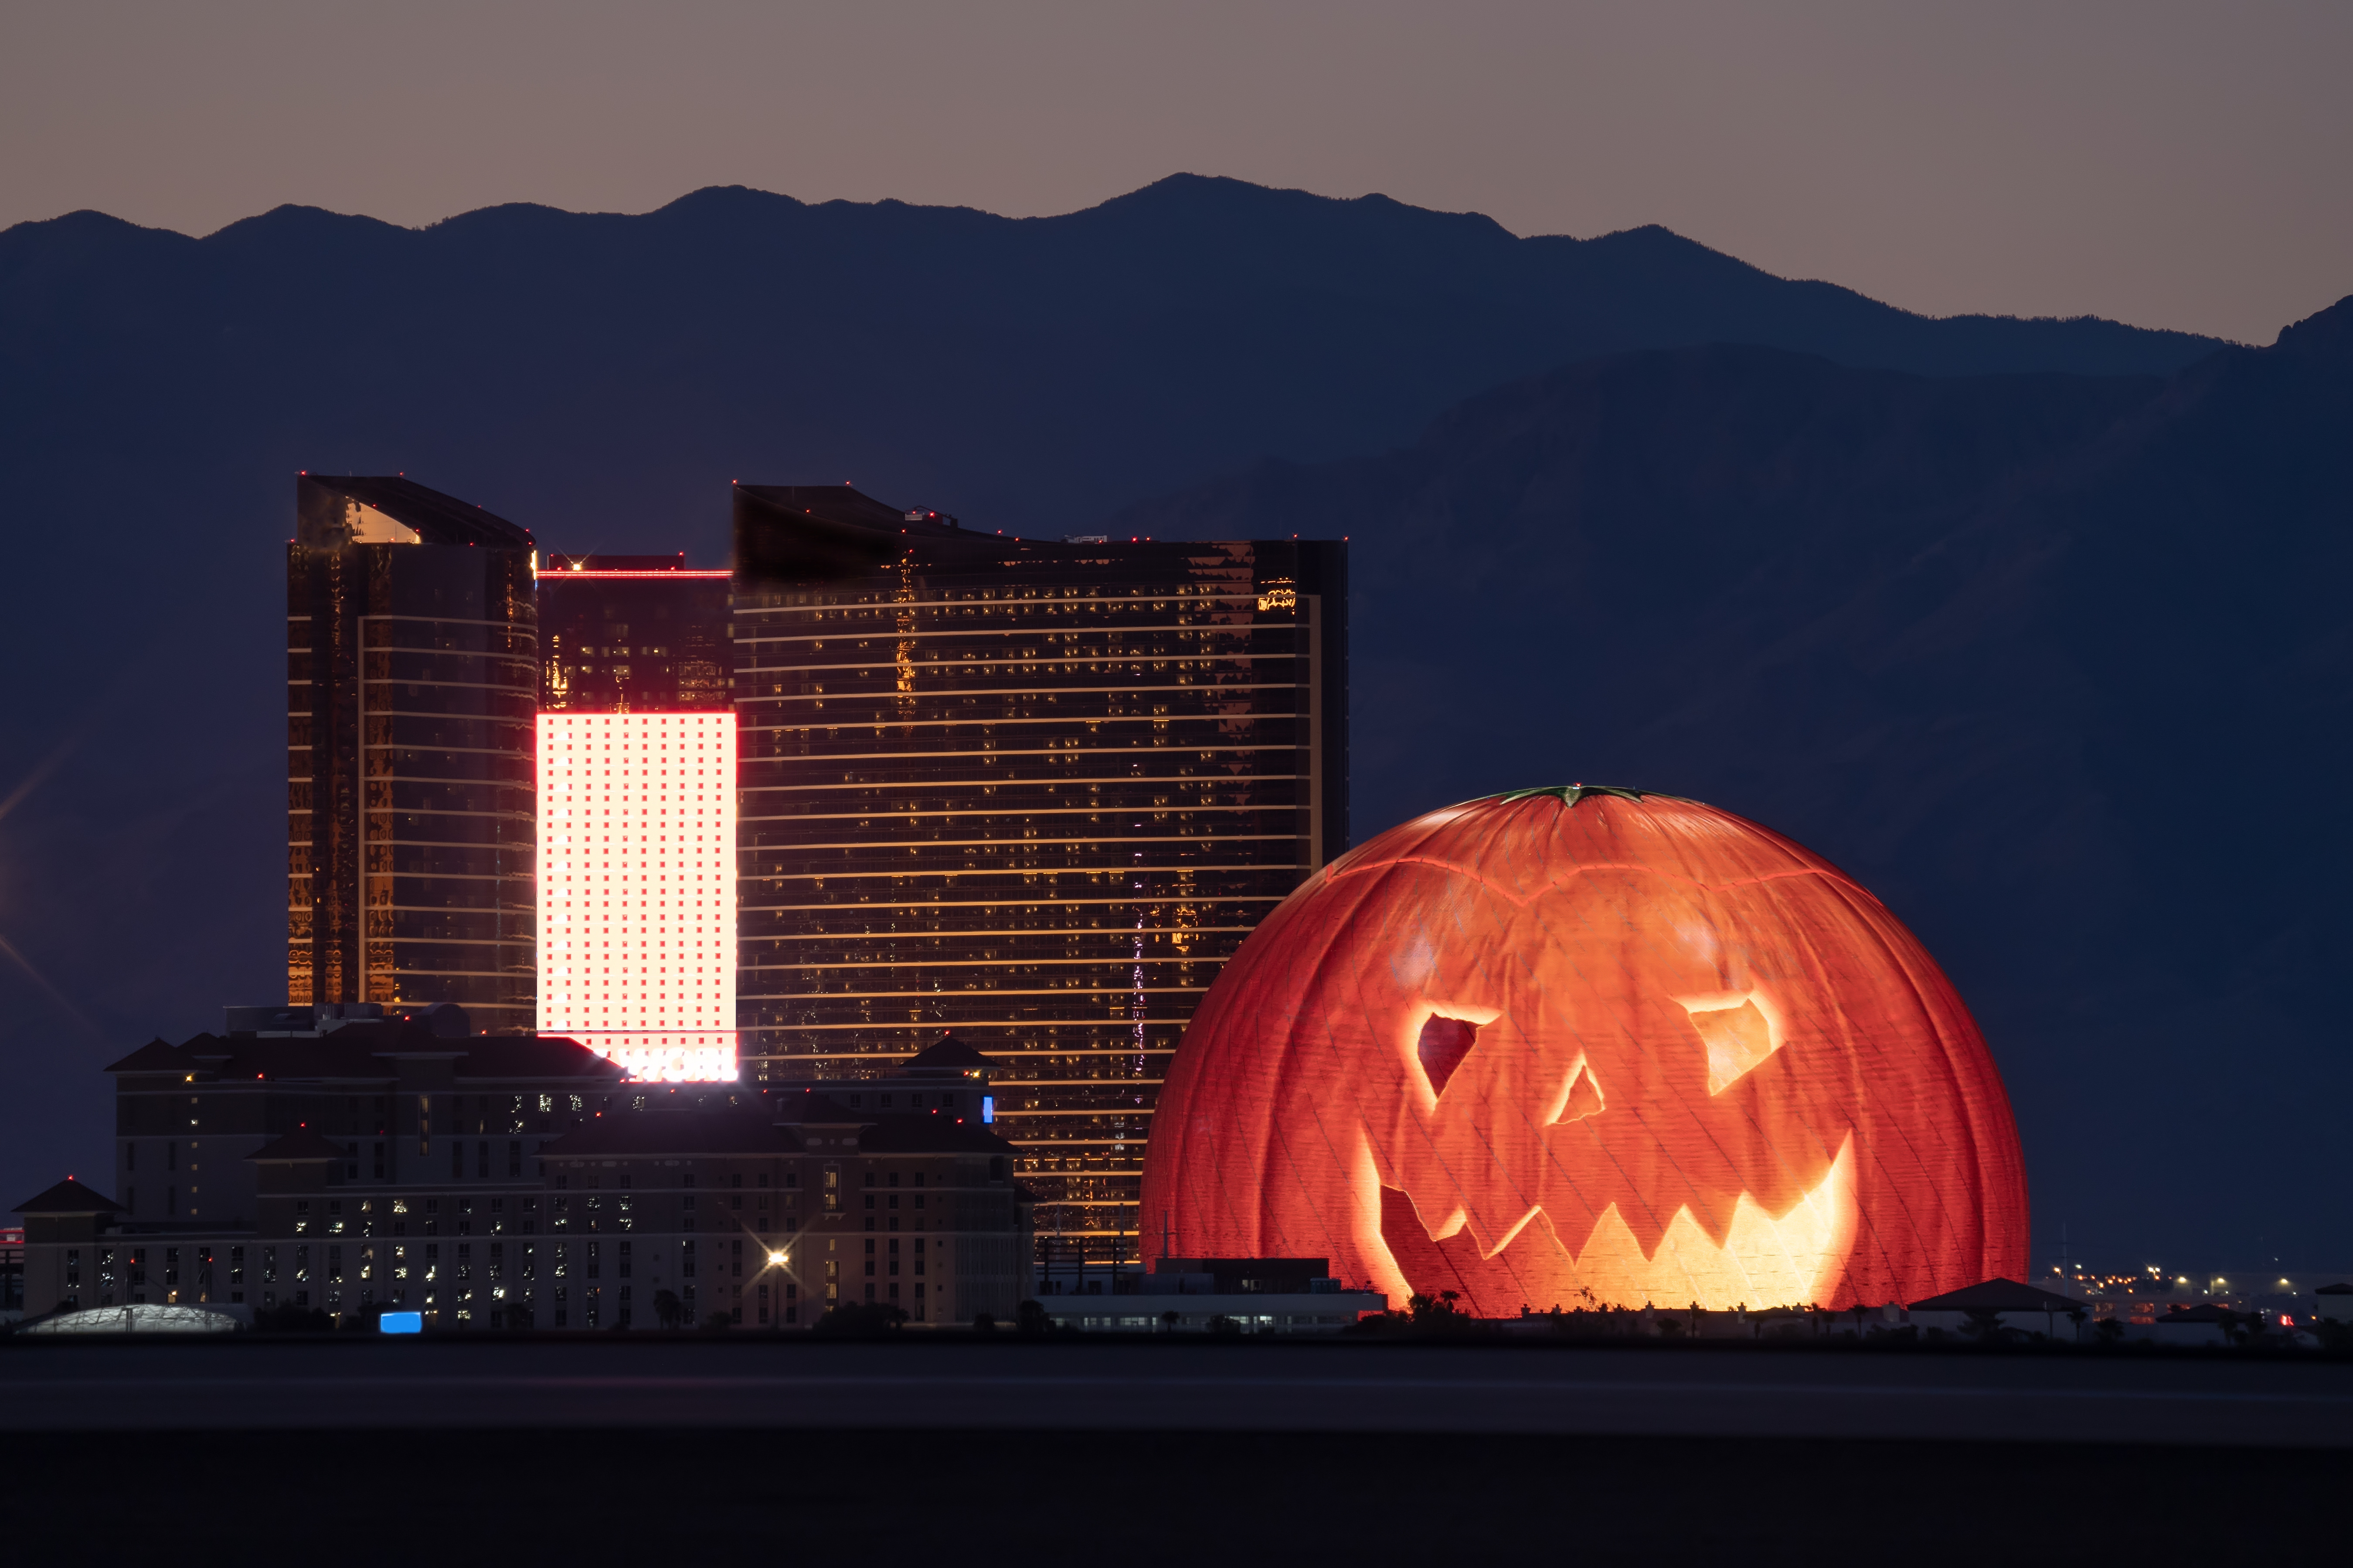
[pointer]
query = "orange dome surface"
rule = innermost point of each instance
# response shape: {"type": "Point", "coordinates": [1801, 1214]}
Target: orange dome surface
{"type": "Point", "coordinates": [1588, 1047]}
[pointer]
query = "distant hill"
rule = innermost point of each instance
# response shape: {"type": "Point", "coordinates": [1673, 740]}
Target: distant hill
{"type": "Point", "coordinates": [600, 379]}
{"type": "Point", "coordinates": [2062, 667]}
{"type": "Point", "coordinates": [1032, 372]}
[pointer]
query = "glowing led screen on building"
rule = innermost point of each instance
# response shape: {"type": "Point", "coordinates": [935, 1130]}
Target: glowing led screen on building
{"type": "Point", "coordinates": [1579, 1047]}
{"type": "Point", "coordinates": [636, 889]}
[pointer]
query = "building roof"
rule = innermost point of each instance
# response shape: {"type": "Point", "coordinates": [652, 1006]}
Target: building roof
{"type": "Point", "coordinates": [1998, 1295]}
{"type": "Point", "coordinates": [935, 1133]}
{"type": "Point", "coordinates": [843, 506]}
{"type": "Point", "coordinates": [305, 1143]}
{"type": "Point", "coordinates": [820, 532]}
{"type": "Point", "coordinates": [153, 1057]}
{"type": "Point", "coordinates": [438, 519]}
{"type": "Point", "coordinates": [675, 561]}
{"type": "Point", "coordinates": [366, 1051]}
{"type": "Point", "coordinates": [2340, 1289]}
{"type": "Point", "coordinates": [534, 1056]}
{"type": "Point", "coordinates": [2204, 1312]}
{"type": "Point", "coordinates": [139, 1318]}
{"type": "Point", "coordinates": [69, 1196]}
{"type": "Point", "coordinates": [946, 1055]}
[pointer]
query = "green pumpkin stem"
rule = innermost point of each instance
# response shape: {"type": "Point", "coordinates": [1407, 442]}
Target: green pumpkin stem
{"type": "Point", "coordinates": [1570, 794]}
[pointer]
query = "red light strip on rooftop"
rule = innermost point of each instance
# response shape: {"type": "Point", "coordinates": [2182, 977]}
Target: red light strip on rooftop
{"type": "Point", "coordinates": [665, 576]}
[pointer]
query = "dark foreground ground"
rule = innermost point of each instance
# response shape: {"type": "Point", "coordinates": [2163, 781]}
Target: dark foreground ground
{"type": "Point", "coordinates": [1205, 1455]}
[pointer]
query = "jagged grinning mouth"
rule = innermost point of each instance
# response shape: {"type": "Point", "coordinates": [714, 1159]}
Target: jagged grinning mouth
{"type": "Point", "coordinates": [1790, 1258]}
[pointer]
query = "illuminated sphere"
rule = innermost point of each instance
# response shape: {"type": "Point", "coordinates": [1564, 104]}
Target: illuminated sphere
{"type": "Point", "coordinates": [1585, 1047]}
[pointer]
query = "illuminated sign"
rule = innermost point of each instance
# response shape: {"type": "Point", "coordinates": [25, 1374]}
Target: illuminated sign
{"type": "Point", "coordinates": [636, 889]}
{"type": "Point", "coordinates": [1582, 1048]}
{"type": "Point", "coordinates": [401, 1323]}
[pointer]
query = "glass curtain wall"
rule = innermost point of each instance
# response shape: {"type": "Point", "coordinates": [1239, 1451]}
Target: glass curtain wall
{"type": "Point", "coordinates": [412, 688]}
{"type": "Point", "coordinates": [1034, 793]}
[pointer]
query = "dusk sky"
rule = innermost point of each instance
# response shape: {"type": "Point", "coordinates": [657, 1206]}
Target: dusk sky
{"type": "Point", "coordinates": [2166, 163]}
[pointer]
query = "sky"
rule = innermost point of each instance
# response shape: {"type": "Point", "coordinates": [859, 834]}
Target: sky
{"type": "Point", "coordinates": [2161, 163]}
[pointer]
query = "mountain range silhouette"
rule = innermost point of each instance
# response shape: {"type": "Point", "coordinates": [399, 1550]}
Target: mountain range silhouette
{"type": "Point", "coordinates": [2034, 626]}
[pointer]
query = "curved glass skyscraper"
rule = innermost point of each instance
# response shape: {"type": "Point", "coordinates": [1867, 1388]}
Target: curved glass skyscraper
{"type": "Point", "coordinates": [412, 687]}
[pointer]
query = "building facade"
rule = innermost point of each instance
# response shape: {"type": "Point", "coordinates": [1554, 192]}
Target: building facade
{"type": "Point", "coordinates": [261, 1165]}
{"type": "Point", "coordinates": [771, 1210]}
{"type": "Point", "coordinates": [345, 1165]}
{"type": "Point", "coordinates": [637, 814]}
{"type": "Point", "coordinates": [1033, 792]}
{"type": "Point", "coordinates": [411, 685]}
{"type": "Point", "coordinates": [632, 634]}
{"type": "Point", "coordinates": [11, 1273]}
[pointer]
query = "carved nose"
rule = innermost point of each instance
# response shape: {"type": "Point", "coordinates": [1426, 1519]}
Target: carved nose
{"type": "Point", "coordinates": [1584, 1097]}
{"type": "Point", "coordinates": [1738, 1038]}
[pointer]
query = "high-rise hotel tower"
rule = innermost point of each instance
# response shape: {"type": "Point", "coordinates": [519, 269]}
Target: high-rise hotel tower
{"type": "Point", "coordinates": [411, 682]}
{"type": "Point", "coordinates": [637, 814]}
{"type": "Point", "coordinates": [1033, 793]}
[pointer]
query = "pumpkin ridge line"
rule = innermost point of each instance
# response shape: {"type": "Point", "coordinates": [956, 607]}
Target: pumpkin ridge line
{"type": "Point", "coordinates": [1334, 874]}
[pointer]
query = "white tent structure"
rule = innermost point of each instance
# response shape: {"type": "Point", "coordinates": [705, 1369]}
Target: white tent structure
{"type": "Point", "coordinates": [137, 1319]}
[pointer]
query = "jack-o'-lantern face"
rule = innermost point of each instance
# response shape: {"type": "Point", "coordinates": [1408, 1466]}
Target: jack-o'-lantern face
{"type": "Point", "coordinates": [1585, 1046]}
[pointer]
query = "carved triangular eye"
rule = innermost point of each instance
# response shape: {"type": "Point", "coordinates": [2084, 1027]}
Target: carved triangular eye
{"type": "Point", "coordinates": [1738, 1039]}
{"type": "Point", "coordinates": [1444, 1043]}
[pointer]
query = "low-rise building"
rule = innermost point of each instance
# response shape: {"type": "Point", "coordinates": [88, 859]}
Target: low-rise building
{"type": "Point", "coordinates": [2204, 1324]}
{"type": "Point", "coordinates": [2024, 1308]}
{"type": "Point", "coordinates": [414, 1104]}
{"type": "Point", "coordinates": [775, 1209]}
{"type": "Point", "coordinates": [504, 1182]}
